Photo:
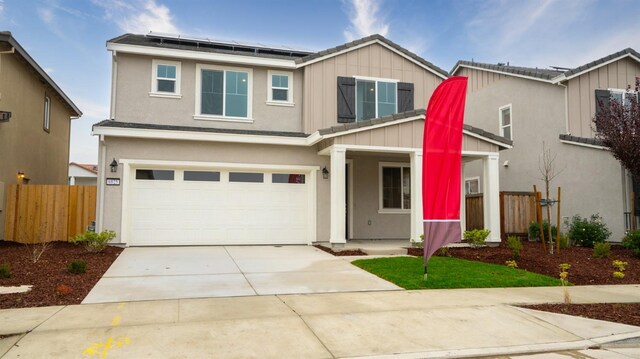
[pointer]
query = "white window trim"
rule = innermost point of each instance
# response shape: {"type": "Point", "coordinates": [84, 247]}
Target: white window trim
{"type": "Point", "coordinates": [375, 80]}
{"type": "Point", "coordinates": [500, 126]}
{"type": "Point", "coordinates": [46, 125]}
{"type": "Point", "coordinates": [222, 118]}
{"type": "Point", "coordinates": [469, 179]}
{"type": "Point", "coordinates": [382, 210]}
{"type": "Point", "coordinates": [270, 100]}
{"type": "Point", "coordinates": [154, 79]}
{"type": "Point", "coordinates": [622, 92]}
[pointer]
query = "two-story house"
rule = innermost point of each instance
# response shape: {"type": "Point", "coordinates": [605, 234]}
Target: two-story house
{"type": "Point", "coordinates": [214, 142]}
{"type": "Point", "coordinates": [35, 122]}
{"type": "Point", "coordinates": [556, 106]}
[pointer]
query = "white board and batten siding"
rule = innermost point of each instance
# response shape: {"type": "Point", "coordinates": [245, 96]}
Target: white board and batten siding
{"type": "Point", "coordinates": [226, 206]}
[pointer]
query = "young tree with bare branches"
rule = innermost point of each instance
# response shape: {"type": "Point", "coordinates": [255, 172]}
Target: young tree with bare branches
{"type": "Point", "coordinates": [548, 172]}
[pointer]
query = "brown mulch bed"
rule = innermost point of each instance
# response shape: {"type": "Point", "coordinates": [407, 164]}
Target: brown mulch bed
{"type": "Point", "coordinates": [49, 272]}
{"type": "Point", "coordinates": [585, 268]}
{"type": "Point", "coordinates": [626, 313]}
{"type": "Point", "coordinates": [346, 252]}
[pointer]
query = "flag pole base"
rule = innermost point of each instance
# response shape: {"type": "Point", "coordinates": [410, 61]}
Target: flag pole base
{"type": "Point", "coordinates": [425, 273]}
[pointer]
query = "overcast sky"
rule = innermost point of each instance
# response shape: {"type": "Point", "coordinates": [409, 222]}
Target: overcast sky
{"type": "Point", "coordinates": [67, 37]}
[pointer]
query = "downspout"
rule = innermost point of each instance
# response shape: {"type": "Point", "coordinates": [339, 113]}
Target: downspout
{"type": "Point", "coordinates": [101, 183]}
{"type": "Point", "coordinates": [114, 75]}
{"type": "Point", "coordinates": [566, 107]}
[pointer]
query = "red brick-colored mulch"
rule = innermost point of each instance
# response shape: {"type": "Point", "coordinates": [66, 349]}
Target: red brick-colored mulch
{"type": "Point", "coordinates": [52, 285]}
{"type": "Point", "coordinates": [626, 313]}
{"type": "Point", "coordinates": [585, 268]}
{"type": "Point", "coordinates": [346, 252]}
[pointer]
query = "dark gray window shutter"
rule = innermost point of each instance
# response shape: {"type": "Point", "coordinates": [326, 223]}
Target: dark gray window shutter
{"type": "Point", "coordinates": [603, 98]}
{"type": "Point", "coordinates": [346, 99]}
{"type": "Point", "coordinates": [405, 96]}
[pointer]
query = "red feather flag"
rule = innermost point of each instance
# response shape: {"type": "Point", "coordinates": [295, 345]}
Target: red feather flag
{"type": "Point", "coordinates": [442, 165]}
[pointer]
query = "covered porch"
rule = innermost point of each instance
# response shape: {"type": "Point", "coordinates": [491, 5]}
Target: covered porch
{"type": "Point", "coordinates": [376, 178]}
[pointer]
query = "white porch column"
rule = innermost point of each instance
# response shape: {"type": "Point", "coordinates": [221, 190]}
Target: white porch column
{"type": "Point", "coordinates": [338, 196]}
{"type": "Point", "coordinates": [463, 201]}
{"type": "Point", "coordinates": [416, 196]}
{"type": "Point", "coordinates": [491, 196]}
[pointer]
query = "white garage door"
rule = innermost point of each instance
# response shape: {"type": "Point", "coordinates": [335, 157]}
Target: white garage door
{"type": "Point", "coordinates": [217, 206]}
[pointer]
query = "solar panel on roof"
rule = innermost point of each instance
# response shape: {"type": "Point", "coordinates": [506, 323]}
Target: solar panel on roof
{"type": "Point", "coordinates": [179, 37]}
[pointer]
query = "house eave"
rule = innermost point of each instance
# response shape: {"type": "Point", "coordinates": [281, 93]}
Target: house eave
{"type": "Point", "coordinates": [200, 56]}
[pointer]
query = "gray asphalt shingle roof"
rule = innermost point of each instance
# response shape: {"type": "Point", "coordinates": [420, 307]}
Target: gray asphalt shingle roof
{"type": "Point", "coordinates": [207, 46]}
{"type": "Point", "coordinates": [602, 60]}
{"type": "Point", "coordinates": [546, 74]}
{"type": "Point", "coordinates": [576, 139]}
{"type": "Point", "coordinates": [399, 116]}
{"type": "Point", "coordinates": [148, 126]}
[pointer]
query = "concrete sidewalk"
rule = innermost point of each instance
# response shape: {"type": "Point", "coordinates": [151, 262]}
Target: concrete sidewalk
{"type": "Point", "coordinates": [408, 324]}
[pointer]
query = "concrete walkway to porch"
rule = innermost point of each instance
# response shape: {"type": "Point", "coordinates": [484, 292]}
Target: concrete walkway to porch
{"type": "Point", "coordinates": [404, 324]}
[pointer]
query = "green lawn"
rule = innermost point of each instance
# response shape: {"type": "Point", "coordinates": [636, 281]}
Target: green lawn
{"type": "Point", "coordinates": [446, 272]}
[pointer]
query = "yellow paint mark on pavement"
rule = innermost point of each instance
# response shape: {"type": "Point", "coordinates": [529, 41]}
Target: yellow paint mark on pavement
{"type": "Point", "coordinates": [116, 321]}
{"type": "Point", "coordinates": [102, 349]}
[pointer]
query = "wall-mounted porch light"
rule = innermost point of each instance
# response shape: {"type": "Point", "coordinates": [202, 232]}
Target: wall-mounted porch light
{"type": "Point", "coordinates": [325, 173]}
{"type": "Point", "coordinates": [114, 166]}
{"type": "Point", "coordinates": [20, 176]}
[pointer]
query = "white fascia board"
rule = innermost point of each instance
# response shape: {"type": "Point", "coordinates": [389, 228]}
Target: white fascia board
{"type": "Point", "coordinates": [226, 165]}
{"type": "Point", "coordinates": [373, 127]}
{"type": "Point", "coordinates": [566, 78]}
{"type": "Point", "coordinates": [375, 41]}
{"type": "Point", "coordinates": [588, 145]}
{"type": "Point", "coordinates": [201, 56]}
{"type": "Point", "coordinates": [199, 136]}
{"type": "Point", "coordinates": [505, 73]}
{"type": "Point", "coordinates": [500, 144]}
{"type": "Point", "coordinates": [361, 148]}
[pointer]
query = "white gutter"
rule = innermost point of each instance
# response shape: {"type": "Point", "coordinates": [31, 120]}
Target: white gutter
{"type": "Point", "coordinates": [201, 56]}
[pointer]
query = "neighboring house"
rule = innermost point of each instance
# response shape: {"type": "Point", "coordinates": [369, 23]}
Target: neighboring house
{"type": "Point", "coordinates": [35, 122]}
{"type": "Point", "coordinates": [556, 106]}
{"type": "Point", "coordinates": [83, 175]}
{"type": "Point", "coordinates": [228, 143]}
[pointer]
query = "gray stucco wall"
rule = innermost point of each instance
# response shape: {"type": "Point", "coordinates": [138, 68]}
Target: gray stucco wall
{"type": "Point", "coordinates": [366, 197]}
{"type": "Point", "coordinates": [590, 178]}
{"type": "Point", "coordinates": [133, 103]}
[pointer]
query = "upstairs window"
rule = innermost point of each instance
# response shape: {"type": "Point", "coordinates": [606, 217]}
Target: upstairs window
{"type": "Point", "coordinates": [280, 88]}
{"type": "Point", "coordinates": [604, 98]}
{"type": "Point", "coordinates": [223, 93]}
{"type": "Point", "coordinates": [375, 99]}
{"type": "Point", "coordinates": [46, 122]}
{"type": "Point", "coordinates": [505, 122]}
{"type": "Point", "coordinates": [361, 99]}
{"type": "Point", "coordinates": [165, 81]}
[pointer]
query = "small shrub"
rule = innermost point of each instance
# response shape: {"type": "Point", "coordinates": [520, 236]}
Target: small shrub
{"type": "Point", "coordinates": [5, 271]}
{"type": "Point", "coordinates": [564, 241]}
{"type": "Point", "coordinates": [443, 252]}
{"type": "Point", "coordinates": [419, 244]}
{"type": "Point", "coordinates": [476, 237]}
{"type": "Point", "coordinates": [94, 242]}
{"type": "Point", "coordinates": [602, 250]}
{"type": "Point", "coordinates": [511, 264]}
{"type": "Point", "coordinates": [63, 289]}
{"type": "Point", "coordinates": [515, 245]}
{"type": "Point", "coordinates": [78, 266]}
{"type": "Point", "coordinates": [632, 241]}
{"type": "Point", "coordinates": [620, 265]}
{"type": "Point", "coordinates": [618, 275]}
{"type": "Point", "coordinates": [586, 232]}
{"type": "Point", "coordinates": [534, 230]}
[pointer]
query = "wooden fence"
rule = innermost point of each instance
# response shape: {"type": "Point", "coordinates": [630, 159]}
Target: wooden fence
{"type": "Point", "coordinates": [517, 211]}
{"type": "Point", "coordinates": [36, 213]}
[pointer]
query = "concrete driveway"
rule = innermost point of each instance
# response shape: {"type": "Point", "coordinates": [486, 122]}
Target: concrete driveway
{"type": "Point", "coordinates": [153, 273]}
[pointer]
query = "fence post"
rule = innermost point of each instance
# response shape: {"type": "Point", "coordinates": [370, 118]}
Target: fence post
{"type": "Point", "coordinates": [502, 233]}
